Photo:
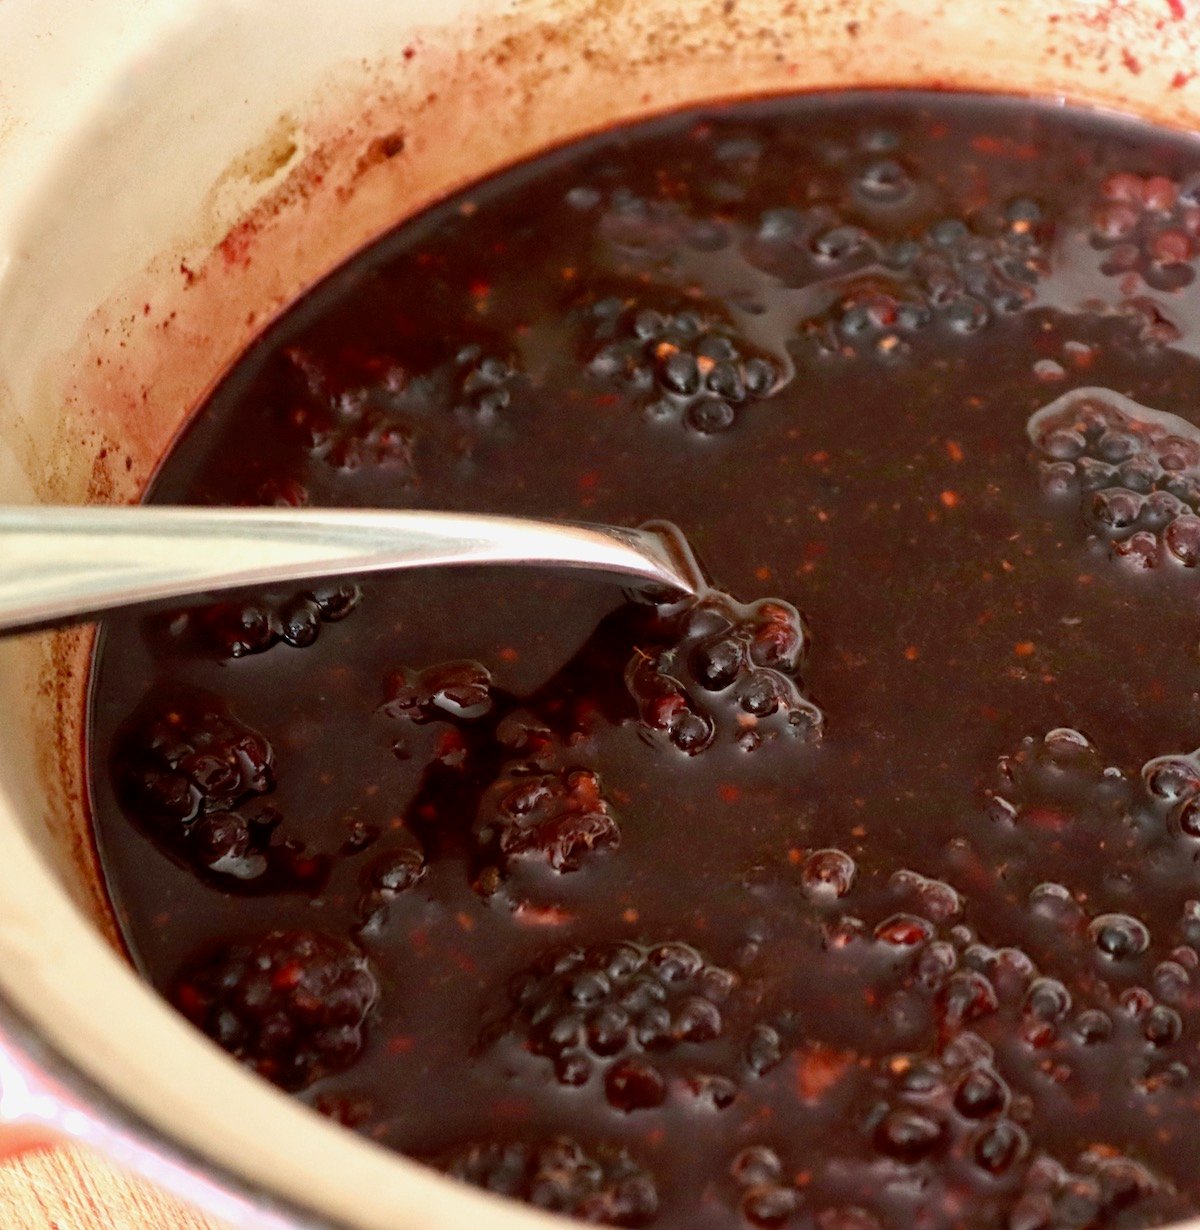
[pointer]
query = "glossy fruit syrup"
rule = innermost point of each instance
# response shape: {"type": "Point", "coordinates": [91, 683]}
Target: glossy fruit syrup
{"type": "Point", "coordinates": [862, 893]}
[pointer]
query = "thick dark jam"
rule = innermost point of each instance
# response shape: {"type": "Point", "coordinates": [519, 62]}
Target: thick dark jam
{"type": "Point", "coordinates": [865, 898]}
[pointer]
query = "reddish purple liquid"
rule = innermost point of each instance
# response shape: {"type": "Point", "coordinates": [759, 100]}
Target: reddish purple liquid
{"type": "Point", "coordinates": [885, 916]}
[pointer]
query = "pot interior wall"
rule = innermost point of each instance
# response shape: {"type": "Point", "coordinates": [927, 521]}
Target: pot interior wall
{"type": "Point", "coordinates": [226, 156]}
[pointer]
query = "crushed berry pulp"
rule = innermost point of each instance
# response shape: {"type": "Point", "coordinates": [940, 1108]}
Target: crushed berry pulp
{"type": "Point", "coordinates": [860, 893]}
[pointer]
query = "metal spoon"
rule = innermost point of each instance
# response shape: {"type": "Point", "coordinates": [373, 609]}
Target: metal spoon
{"type": "Point", "coordinates": [65, 565]}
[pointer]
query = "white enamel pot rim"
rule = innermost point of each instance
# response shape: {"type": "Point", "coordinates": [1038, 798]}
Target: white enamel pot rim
{"type": "Point", "coordinates": [173, 172]}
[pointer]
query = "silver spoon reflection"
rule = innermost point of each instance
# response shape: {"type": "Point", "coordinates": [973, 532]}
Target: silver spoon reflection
{"type": "Point", "coordinates": [66, 564]}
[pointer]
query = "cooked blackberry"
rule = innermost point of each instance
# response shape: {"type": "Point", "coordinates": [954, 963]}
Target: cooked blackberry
{"type": "Point", "coordinates": [600, 1183]}
{"type": "Point", "coordinates": [619, 1008]}
{"type": "Point", "coordinates": [291, 1005]}
{"type": "Point", "coordinates": [556, 818]}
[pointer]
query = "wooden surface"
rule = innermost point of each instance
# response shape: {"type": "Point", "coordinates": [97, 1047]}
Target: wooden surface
{"type": "Point", "coordinates": [71, 1189]}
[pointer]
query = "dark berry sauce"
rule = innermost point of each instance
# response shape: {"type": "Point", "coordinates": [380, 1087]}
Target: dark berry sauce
{"type": "Point", "coordinates": [862, 893]}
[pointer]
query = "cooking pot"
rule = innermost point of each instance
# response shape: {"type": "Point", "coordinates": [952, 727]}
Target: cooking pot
{"type": "Point", "coordinates": [172, 174]}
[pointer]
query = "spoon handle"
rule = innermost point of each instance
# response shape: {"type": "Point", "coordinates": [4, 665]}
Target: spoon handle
{"type": "Point", "coordinates": [65, 564]}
